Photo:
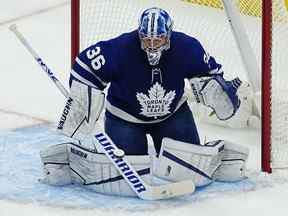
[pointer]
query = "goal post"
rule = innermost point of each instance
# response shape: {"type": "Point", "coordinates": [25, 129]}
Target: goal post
{"type": "Point", "coordinates": [274, 85]}
{"type": "Point", "coordinates": [266, 25]}
{"type": "Point", "coordinates": [266, 86]}
{"type": "Point", "coordinates": [75, 29]}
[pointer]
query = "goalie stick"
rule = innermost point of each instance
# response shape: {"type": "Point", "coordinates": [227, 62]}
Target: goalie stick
{"type": "Point", "coordinates": [142, 189]}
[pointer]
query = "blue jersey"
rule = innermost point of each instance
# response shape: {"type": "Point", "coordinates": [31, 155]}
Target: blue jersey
{"type": "Point", "coordinates": [139, 92]}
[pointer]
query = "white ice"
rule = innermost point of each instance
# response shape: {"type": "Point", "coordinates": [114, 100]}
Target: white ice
{"type": "Point", "coordinates": [27, 97]}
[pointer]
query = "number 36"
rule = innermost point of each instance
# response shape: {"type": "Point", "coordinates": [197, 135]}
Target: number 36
{"type": "Point", "coordinates": [97, 61]}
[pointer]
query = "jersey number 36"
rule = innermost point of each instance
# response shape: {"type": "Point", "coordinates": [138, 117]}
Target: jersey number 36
{"type": "Point", "coordinates": [97, 61]}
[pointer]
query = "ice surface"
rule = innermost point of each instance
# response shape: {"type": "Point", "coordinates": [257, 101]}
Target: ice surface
{"type": "Point", "coordinates": [21, 168]}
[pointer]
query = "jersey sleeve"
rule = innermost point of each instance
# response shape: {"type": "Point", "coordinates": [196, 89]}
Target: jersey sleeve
{"type": "Point", "coordinates": [93, 66]}
{"type": "Point", "coordinates": [201, 63]}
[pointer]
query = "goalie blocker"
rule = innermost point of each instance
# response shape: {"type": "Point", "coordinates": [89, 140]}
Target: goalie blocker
{"type": "Point", "coordinates": [81, 112]}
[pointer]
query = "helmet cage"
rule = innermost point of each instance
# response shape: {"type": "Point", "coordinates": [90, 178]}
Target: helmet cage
{"type": "Point", "coordinates": [155, 42]}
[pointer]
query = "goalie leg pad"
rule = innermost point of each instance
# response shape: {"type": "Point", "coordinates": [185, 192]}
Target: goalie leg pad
{"type": "Point", "coordinates": [233, 166]}
{"type": "Point", "coordinates": [56, 165]}
{"type": "Point", "coordinates": [181, 161]}
{"type": "Point", "coordinates": [98, 173]}
{"type": "Point", "coordinates": [71, 163]}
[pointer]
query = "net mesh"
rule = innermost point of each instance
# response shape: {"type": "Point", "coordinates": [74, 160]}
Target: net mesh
{"type": "Point", "coordinates": [279, 85]}
{"type": "Point", "coordinates": [105, 19]}
{"type": "Point", "coordinates": [206, 20]}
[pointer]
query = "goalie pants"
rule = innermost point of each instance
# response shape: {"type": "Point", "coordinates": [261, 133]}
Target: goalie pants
{"type": "Point", "coordinates": [131, 137]}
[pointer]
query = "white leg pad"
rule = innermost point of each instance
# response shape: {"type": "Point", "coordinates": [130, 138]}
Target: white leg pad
{"type": "Point", "coordinates": [71, 163]}
{"type": "Point", "coordinates": [233, 166]}
{"type": "Point", "coordinates": [97, 172]}
{"type": "Point", "coordinates": [181, 161]}
{"type": "Point", "coordinates": [55, 165]}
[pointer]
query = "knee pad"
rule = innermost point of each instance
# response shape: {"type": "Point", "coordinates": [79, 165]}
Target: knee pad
{"type": "Point", "coordinates": [181, 161]}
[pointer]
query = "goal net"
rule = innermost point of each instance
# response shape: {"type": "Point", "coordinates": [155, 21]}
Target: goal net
{"type": "Point", "coordinates": [95, 20]}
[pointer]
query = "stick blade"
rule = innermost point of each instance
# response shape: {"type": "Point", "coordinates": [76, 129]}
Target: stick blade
{"type": "Point", "coordinates": [169, 190]}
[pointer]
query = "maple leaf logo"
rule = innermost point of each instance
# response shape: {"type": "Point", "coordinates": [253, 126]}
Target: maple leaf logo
{"type": "Point", "coordinates": [157, 103]}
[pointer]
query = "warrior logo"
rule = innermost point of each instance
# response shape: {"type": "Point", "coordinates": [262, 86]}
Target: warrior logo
{"type": "Point", "coordinates": [157, 103]}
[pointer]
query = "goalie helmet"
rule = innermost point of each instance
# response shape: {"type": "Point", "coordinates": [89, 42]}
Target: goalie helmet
{"type": "Point", "coordinates": [155, 27]}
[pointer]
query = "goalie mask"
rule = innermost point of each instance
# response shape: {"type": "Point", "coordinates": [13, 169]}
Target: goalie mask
{"type": "Point", "coordinates": [155, 26]}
